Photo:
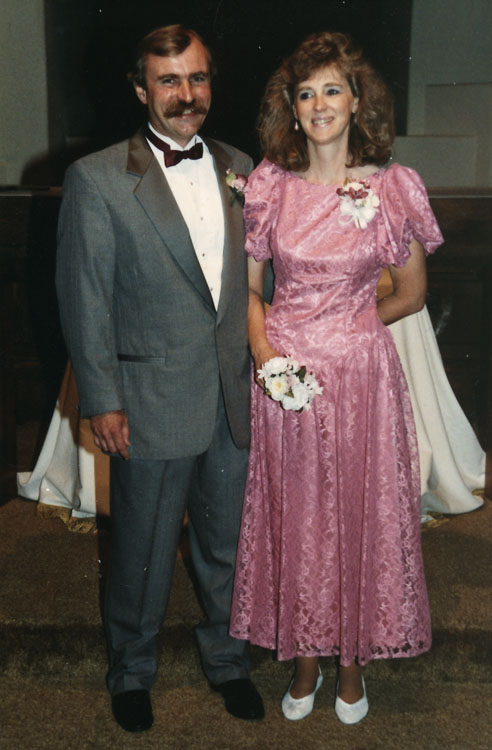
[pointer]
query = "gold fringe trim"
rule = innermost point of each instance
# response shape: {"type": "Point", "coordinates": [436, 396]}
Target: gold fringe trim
{"type": "Point", "coordinates": [76, 525]}
{"type": "Point", "coordinates": [437, 519]}
{"type": "Point", "coordinates": [481, 493]}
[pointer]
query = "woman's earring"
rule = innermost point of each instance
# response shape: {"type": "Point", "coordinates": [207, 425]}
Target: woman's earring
{"type": "Point", "coordinates": [296, 125]}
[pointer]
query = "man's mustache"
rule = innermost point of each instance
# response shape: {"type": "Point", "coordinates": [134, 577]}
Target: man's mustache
{"type": "Point", "coordinates": [180, 107]}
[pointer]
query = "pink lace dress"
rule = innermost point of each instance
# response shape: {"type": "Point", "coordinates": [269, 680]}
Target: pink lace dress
{"type": "Point", "coordinates": [329, 559]}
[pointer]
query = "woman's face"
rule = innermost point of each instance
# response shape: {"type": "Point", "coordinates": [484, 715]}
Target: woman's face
{"type": "Point", "coordinates": [324, 104]}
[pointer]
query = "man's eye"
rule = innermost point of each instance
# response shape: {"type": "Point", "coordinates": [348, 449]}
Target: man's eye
{"type": "Point", "coordinates": [202, 78]}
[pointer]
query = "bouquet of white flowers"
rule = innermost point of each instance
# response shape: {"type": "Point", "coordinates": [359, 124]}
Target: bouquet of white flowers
{"type": "Point", "coordinates": [289, 383]}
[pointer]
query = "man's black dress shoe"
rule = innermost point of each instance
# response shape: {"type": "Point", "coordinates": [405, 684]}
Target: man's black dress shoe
{"type": "Point", "coordinates": [133, 710]}
{"type": "Point", "coordinates": [241, 699]}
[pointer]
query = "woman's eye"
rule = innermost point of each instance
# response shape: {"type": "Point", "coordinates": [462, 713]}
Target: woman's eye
{"type": "Point", "coordinates": [304, 94]}
{"type": "Point", "coordinates": [331, 91]}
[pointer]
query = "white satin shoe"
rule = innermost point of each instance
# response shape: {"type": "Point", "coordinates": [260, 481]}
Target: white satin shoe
{"type": "Point", "coordinates": [298, 708]}
{"type": "Point", "coordinates": [352, 713]}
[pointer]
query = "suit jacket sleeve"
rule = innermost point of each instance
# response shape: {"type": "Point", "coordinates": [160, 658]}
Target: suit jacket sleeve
{"type": "Point", "coordinates": [84, 280]}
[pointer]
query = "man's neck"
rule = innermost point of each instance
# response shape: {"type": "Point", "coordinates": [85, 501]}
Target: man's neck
{"type": "Point", "coordinates": [194, 139]}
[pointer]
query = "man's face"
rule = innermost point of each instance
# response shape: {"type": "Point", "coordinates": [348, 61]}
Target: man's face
{"type": "Point", "coordinates": [178, 92]}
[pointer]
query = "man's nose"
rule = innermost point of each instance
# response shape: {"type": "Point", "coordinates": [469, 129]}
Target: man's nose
{"type": "Point", "coordinates": [185, 92]}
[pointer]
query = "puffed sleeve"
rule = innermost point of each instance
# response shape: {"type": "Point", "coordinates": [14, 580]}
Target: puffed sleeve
{"type": "Point", "coordinates": [261, 208]}
{"type": "Point", "coordinates": [406, 215]}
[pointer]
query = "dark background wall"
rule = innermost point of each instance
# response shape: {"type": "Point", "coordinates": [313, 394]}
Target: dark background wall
{"type": "Point", "coordinates": [90, 47]}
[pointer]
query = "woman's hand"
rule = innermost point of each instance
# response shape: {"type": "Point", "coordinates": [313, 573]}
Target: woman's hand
{"type": "Point", "coordinates": [260, 356]}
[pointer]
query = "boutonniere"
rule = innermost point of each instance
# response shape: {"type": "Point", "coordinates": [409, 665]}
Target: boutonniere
{"type": "Point", "coordinates": [237, 183]}
{"type": "Point", "coordinates": [358, 203]}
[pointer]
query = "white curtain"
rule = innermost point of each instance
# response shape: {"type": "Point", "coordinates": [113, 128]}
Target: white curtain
{"type": "Point", "coordinates": [452, 463]}
{"type": "Point", "coordinates": [70, 472]}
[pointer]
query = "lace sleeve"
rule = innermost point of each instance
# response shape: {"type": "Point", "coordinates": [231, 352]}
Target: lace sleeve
{"type": "Point", "coordinates": [407, 215]}
{"type": "Point", "coordinates": [260, 209]}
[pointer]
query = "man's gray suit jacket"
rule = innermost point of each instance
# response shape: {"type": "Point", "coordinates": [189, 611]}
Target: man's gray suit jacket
{"type": "Point", "coordinates": [139, 321]}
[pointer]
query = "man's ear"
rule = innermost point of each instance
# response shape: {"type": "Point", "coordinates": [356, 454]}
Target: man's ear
{"type": "Point", "coordinates": [141, 93]}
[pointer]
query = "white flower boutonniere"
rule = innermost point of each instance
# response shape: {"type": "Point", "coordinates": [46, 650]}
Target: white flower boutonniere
{"type": "Point", "coordinates": [289, 383]}
{"type": "Point", "coordinates": [358, 203]}
{"type": "Point", "coordinates": [237, 183]}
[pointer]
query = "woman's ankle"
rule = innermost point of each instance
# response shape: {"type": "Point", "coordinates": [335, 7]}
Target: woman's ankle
{"type": "Point", "coordinates": [305, 676]}
{"type": "Point", "coordinates": [350, 687]}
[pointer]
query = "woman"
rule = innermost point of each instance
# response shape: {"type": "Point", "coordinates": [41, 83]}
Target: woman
{"type": "Point", "coordinates": [329, 560]}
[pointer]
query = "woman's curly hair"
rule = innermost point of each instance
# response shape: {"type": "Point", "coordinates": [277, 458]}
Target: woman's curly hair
{"type": "Point", "coordinates": [371, 131]}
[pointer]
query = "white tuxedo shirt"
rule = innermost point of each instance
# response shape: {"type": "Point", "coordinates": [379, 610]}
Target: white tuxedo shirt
{"type": "Point", "coordinates": [195, 189]}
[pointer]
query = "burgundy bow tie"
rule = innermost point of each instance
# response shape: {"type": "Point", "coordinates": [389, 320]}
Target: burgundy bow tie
{"type": "Point", "coordinates": [171, 155]}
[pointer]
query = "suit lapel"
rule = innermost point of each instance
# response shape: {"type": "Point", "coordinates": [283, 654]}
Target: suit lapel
{"type": "Point", "coordinates": [156, 198]}
{"type": "Point", "coordinates": [233, 228]}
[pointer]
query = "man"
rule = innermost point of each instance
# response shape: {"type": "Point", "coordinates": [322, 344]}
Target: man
{"type": "Point", "coordinates": [152, 287]}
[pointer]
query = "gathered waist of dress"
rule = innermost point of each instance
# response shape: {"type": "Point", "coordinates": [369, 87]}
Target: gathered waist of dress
{"type": "Point", "coordinates": [367, 320]}
{"type": "Point", "coordinates": [335, 341]}
{"type": "Point", "coordinates": [349, 315]}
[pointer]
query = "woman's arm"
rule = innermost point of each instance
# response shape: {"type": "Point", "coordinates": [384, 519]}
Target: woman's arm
{"type": "Point", "coordinates": [409, 287]}
{"type": "Point", "coordinates": [258, 342]}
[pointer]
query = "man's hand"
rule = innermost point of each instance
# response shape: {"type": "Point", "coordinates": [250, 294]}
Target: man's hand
{"type": "Point", "coordinates": [111, 432]}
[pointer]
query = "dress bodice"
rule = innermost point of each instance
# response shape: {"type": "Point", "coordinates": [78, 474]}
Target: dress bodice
{"type": "Point", "coordinates": [326, 265]}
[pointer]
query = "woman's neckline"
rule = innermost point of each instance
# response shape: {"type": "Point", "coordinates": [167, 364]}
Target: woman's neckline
{"type": "Point", "coordinates": [335, 186]}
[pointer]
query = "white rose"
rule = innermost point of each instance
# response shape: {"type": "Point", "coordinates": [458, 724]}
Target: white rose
{"type": "Point", "coordinates": [293, 365]}
{"type": "Point", "coordinates": [273, 366]}
{"type": "Point", "coordinates": [365, 214]}
{"type": "Point", "coordinates": [277, 386]}
{"type": "Point", "coordinates": [348, 207]}
{"type": "Point", "coordinates": [312, 384]}
{"type": "Point", "coordinates": [299, 398]}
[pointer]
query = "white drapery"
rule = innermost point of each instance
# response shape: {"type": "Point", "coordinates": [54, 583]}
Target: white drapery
{"type": "Point", "coordinates": [452, 463]}
{"type": "Point", "coordinates": [70, 473]}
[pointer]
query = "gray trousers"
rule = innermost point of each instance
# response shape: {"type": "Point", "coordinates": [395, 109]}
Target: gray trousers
{"type": "Point", "coordinates": [148, 503]}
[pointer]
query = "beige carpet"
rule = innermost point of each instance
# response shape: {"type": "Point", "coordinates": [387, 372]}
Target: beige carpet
{"type": "Point", "coordinates": [52, 657]}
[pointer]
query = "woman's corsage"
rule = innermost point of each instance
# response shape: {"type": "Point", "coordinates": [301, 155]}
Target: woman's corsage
{"type": "Point", "coordinates": [237, 183]}
{"type": "Point", "coordinates": [358, 203]}
{"type": "Point", "coordinates": [289, 383]}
